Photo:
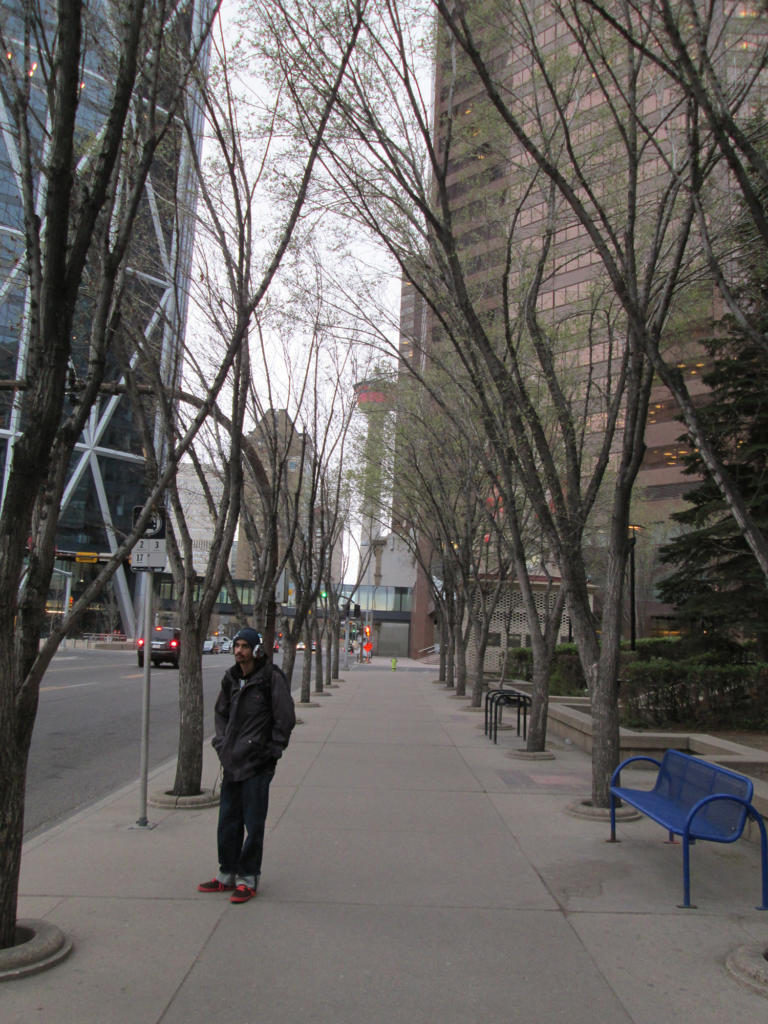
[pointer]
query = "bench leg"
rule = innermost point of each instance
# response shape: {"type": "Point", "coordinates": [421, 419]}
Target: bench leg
{"type": "Point", "coordinates": [613, 838]}
{"type": "Point", "coordinates": [686, 904]}
{"type": "Point", "coordinates": [763, 860]}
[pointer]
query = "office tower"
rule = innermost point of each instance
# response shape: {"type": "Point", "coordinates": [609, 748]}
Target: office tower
{"type": "Point", "coordinates": [107, 475]}
{"type": "Point", "coordinates": [495, 192]}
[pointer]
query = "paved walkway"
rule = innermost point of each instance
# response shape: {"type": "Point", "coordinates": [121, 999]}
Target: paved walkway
{"type": "Point", "coordinates": [413, 872]}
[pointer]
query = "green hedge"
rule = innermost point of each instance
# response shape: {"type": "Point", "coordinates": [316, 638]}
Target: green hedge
{"type": "Point", "coordinates": [718, 649]}
{"type": "Point", "coordinates": [566, 678]}
{"type": "Point", "coordinates": [696, 693]}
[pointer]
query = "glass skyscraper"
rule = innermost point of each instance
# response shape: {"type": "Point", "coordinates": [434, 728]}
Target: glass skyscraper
{"type": "Point", "coordinates": [107, 474]}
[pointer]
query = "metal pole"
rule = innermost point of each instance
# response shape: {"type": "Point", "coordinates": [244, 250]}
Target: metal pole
{"type": "Point", "coordinates": [632, 618]}
{"type": "Point", "coordinates": [144, 770]}
{"type": "Point", "coordinates": [368, 609]}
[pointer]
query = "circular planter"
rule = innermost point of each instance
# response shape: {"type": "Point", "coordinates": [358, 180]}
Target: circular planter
{"type": "Point", "coordinates": [584, 809]}
{"type": "Point", "coordinates": [40, 945]}
{"type": "Point", "coordinates": [163, 798]}
{"type": "Point", "coordinates": [531, 755]}
{"type": "Point", "coordinates": [749, 965]}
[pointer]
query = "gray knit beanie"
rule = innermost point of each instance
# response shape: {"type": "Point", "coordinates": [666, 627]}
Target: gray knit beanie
{"type": "Point", "coordinates": [250, 637]}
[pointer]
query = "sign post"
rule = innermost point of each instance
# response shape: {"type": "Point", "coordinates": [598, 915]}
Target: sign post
{"type": "Point", "coordinates": [149, 552]}
{"type": "Point", "coordinates": [142, 820]}
{"type": "Point", "coordinates": [147, 556]}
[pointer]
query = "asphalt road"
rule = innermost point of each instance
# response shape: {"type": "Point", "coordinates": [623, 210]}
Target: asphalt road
{"type": "Point", "coordinates": [87, 738]}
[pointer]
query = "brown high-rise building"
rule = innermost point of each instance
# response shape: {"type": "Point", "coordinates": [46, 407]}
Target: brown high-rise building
{"type": "Point", "coordinates": [494, 193]}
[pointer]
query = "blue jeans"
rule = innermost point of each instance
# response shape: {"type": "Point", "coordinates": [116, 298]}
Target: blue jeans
{"type": "Point", "coordinates": [242, 813]}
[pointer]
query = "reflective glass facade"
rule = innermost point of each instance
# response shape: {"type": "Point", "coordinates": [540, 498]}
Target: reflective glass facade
{"type": "Point", "coordinates": [107, 472]}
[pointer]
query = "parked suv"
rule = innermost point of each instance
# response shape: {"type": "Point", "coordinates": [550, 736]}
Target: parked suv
{"type": "Point", "coordinates": [165, 644]}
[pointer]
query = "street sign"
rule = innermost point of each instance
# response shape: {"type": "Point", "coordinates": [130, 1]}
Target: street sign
{"type": "Point", "coordinates": [148, 554]}
{"type": "Point", "coordinates": [87, 557]}
{"type": "Point", "coordinates": [155, 527]}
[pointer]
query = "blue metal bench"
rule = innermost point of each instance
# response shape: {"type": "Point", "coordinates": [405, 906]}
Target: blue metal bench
{"type": "Point", "coordinates": [696, 800]}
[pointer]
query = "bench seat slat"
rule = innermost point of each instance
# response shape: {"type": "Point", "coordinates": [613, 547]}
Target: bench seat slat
{"type": "Point", "coordinates": [720, 822]}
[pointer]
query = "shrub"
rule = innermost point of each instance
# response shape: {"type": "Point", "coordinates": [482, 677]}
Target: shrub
{"type": "Point", "coordinates": [697, 693]}
{"type": "Point", "coordinates": [667, 648]}
{"type": "Point", "coordinates": [520, 663]}
{"type": "Point", "coordinates": [566, 678]}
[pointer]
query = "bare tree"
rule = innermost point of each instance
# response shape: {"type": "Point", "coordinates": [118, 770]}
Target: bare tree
{"type": "Point", "coordinates": [540, 409]}
{"type": "Point", "coordinates": [79, 232]}
{"type": "Point", "coordinates": [694, 54]}
{"type": "Point", "coordinates": [654, 242]}
{"type": "Point", "coordinates": [80, 208]}
{"type": "Point", "coordinates": [233, 289]}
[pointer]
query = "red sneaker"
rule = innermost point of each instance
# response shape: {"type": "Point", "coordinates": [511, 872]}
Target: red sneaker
{"type": "Point", "coordinates": [214, 886]}
{"type": "Point", "coordinates": [242, 894]}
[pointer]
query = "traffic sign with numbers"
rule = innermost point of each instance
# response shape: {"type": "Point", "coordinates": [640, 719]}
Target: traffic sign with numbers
{"type": "Point", "coordinates": [148, 554]}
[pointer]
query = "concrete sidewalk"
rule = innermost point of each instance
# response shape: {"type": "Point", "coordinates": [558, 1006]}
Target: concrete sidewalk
{"type": "Point", "coordinates": [413, 872]}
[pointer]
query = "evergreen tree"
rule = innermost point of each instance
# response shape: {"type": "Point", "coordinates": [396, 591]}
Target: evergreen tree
{"type": "Point", "coordinates": [717, 584]}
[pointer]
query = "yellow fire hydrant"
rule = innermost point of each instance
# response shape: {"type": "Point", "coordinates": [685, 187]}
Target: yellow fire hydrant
{"type": "Point", "coordinates": [394, 664]}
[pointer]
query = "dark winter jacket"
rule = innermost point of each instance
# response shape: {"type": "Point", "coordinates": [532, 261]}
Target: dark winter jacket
{"type": "Point", "coordinates": [253, 722]}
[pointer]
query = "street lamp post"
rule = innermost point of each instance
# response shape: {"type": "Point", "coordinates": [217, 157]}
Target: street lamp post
{"type": "Point", "coordinates": [633, 532]}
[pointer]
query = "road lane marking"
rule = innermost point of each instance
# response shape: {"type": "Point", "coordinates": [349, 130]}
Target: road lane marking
{"type": "Point", "coordinates": [69, 686]}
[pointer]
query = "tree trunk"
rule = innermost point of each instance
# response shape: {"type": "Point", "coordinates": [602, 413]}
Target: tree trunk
{"type": "Point", "coordinates": [543, 643]}
{"type": "Point", "coordinates": [333, 653]}
{"type": "Point", "coordinates": [605, 699]}
{"type": "Point", "coordinates": [444, 644]}
{"type": "Point", "coordinates": [289, 660]}
{"type": "Point", "coordinates": [460, 643]}
{"type": "Point", "coordinates": [317, 654]}
{"type": "Point", "coordinates": [306, 669]}
{"type": "Point", "coordinates": [537, 719]}
{"type": "Point", "coordinates": [15, 738]}
{"type": "Point", "coordinates": [478, 670]}
{"type": "Point", "coordinates": [450, 663]}
{"type": "Point", "coordinates": [189, 764]}
{"type": "Point", "coordinates": [461, 664]}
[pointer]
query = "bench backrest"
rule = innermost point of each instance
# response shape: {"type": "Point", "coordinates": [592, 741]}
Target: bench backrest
{"type": "Point", "coordinates": [686, 780]}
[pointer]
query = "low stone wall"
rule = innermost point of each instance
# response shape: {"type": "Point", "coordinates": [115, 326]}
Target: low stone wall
{"type": "Point", "coordinates": [569, 719]}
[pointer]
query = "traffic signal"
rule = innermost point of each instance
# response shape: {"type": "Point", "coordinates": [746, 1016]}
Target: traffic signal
{"type": "Point", "coordinates": [357, 611]}
{"type": "Point", "coordinates": [323, 594]}
{"type": "Point", "coordinates": [367, 630]}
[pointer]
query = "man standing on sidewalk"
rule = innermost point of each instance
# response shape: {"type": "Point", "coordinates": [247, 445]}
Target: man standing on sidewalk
{"type": "Point", "coordinates": [254, 716]}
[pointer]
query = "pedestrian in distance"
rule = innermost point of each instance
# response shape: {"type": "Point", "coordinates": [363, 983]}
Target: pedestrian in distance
{"type": "Point", "coordinates": [254, 716]}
